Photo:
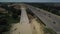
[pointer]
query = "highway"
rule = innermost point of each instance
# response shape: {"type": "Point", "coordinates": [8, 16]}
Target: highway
{"type": "Point", "coordinates": [24, 27]}
{"type": "Point", "coordinates": [51, 20]}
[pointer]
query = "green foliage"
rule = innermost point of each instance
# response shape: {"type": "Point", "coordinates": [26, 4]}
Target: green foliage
{"type": "Point", "coordinates": [8, 21]}
{"type": "Point", "coordinates": [52, 9]}
{"type": "Point", "coordinates": [13, 20]}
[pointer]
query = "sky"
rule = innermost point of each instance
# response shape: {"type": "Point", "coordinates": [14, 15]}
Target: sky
{"type": "Point", "coordinates": [29, 0]}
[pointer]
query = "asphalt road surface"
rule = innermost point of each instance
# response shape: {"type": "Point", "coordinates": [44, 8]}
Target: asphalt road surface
{"type": "Point", "coordinates": [51, 20]}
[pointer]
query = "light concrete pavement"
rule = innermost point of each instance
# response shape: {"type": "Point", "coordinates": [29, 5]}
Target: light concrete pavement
{"type": "Point", "coordinates": [25, 27]}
